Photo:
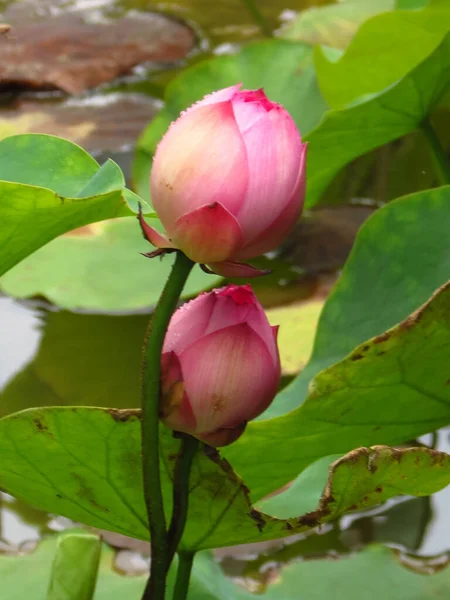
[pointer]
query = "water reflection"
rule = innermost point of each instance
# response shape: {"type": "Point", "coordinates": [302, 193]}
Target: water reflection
{"type": "Point", "coordinates": [82, 359]}
{"type": "Point", "coordinates": [20, 522]}
{"type": "Point", "coordinates": [436, 538]}
{"type": "Point", "coordinates": [404, 524]}
{"type": "Point", "coordinates": [20, 337]}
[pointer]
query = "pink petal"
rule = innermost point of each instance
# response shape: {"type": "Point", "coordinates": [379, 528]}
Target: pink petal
{"type": "Point", "coordinates": [175, 408]}
{"type": "Point", "coordinates": [228, 312]}
{"type": "Point", "coordinates": [200, 160]}
{"type": "Point", "coordinates": [240, 294]}
{"type": "Point", "coordinates": [152, 235]}
{"type": "Point", "coordinates": [170, 371]}
{"type": "Point", "coordinates": [208, 234]}
{"type": "Point", "coordinates": [257, 96]}
{"type": "Point", "coordinates": [235, 269]}
{"type": "Point", "coordinates": [275, 329]}
{"type": "Point", "coordinates": [236, 305]}
{"type": "Point", "coordinates": [179, 416]}
{"type": "Point", "coordinates": [229, 378]}
{"type": "Point", "coordinates": [224, 436]}
{"type": "Point", "coordinates": [260, 325]}
{"type": "Point", "coordinates": [278, 230]}
{"type": "Point", "coordinates": [189, 323]}
{"type": "Point", "coordinates": [247, 114]}
{"type": "Point", "coordinates": [218, 96]}
{"type": "Point", "coordinates": [274, 153]}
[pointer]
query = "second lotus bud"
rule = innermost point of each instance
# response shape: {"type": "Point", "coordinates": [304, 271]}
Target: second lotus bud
{"type": "Point", "coordinates": [220, 365]}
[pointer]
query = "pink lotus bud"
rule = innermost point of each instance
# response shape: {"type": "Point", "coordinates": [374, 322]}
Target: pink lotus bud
{"type": "Point", "coordinates": [228, 180]}
{"type": "Point", "coordinates": [220, 365]}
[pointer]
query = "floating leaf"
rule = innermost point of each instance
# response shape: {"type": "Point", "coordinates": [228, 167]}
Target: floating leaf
{"type": "Point", "coordinates": [383, 571]}
{"type": "Point", "coordinates": [373, 121]}
{"type": "Point", "coordinates": [400, 256]}
{"type": "Point", "coordinates": [377, 572]}
{"type": "Point", "coordinates": [51, 469]}
{"type": "Point", "coordinates": [333, 25]}
{"type": "Point", "coordinates": [50, 186]}
{"type": "Point", "coordinates": [49, 162]}
{"type": "Point", "coordinates": [98, 268]}
{"type": "Point", "coordinates": [100, 367]}
{"type": "Point", "coordinates": [383, 50]}
{"type": "Point", "coordinates": [29, 575]}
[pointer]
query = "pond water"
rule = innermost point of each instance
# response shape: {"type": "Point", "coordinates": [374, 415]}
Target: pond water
{"type": "Point", "coordinates": [86, 118]}
{"type": "Point", "coordinates": [94, 118]}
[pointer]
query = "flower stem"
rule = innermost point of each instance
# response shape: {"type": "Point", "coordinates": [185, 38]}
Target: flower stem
{"type": "Point", "coordinates": [167, 303]}
{"type": "Point", "coordinates": [185, 562]}
{"type": "Point", "coordinates": [188, 449]}
{"type": "Point", "coordinates": [441, 160]}
{"type": "Point", "coordinates": [258, 17]}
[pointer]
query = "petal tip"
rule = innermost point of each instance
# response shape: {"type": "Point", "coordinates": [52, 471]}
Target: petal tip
{"type": "Point", "coordinates": [155, 238]}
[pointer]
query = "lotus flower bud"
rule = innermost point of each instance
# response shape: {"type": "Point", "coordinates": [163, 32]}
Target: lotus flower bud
{"type": "Point", "coordinates": [220, 365]}
{"type": "Point", "coordinates": [228, 180]}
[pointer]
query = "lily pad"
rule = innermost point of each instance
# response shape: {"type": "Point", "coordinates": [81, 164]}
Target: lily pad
{"type": "Point", "coordinates": [377, 570]}
{"type": "Point", "coordinates": [400, 256]}
{"type": "Point", "coordinates": [48, 187]}
{"type": "Point", "coordinates": [100, 367]}
{"type": "Point", "coordinates": [52, 469]}
{"type": "Point", "coordinates": [334, 25]}
{"type": "Point", "coordinates": [98, 268]}
{"type": "Point", "coordinates": [29, 575]}
{"type": "Point", "coordinates": [384, 49]}
{"type": "Point", "coordinates": [375, 120]}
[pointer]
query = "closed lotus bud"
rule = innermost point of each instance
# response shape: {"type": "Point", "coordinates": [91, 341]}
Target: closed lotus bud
{"type": "Point", "coordinates": [228, 180]}
{"type": "Point", "coordinates": [220, 365]}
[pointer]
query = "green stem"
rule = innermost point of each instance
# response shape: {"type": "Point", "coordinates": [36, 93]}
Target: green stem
{"type": "Point", "coordinates": [258, 17]}
{"type": "Point", "coordinates": [185, 561]}
{"type": "Point", "coordinates": [440, 157]}
{"type": "Point", "coordinates": [188, 449]}
{"type": "Point", "coordinates": [150, 425]}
